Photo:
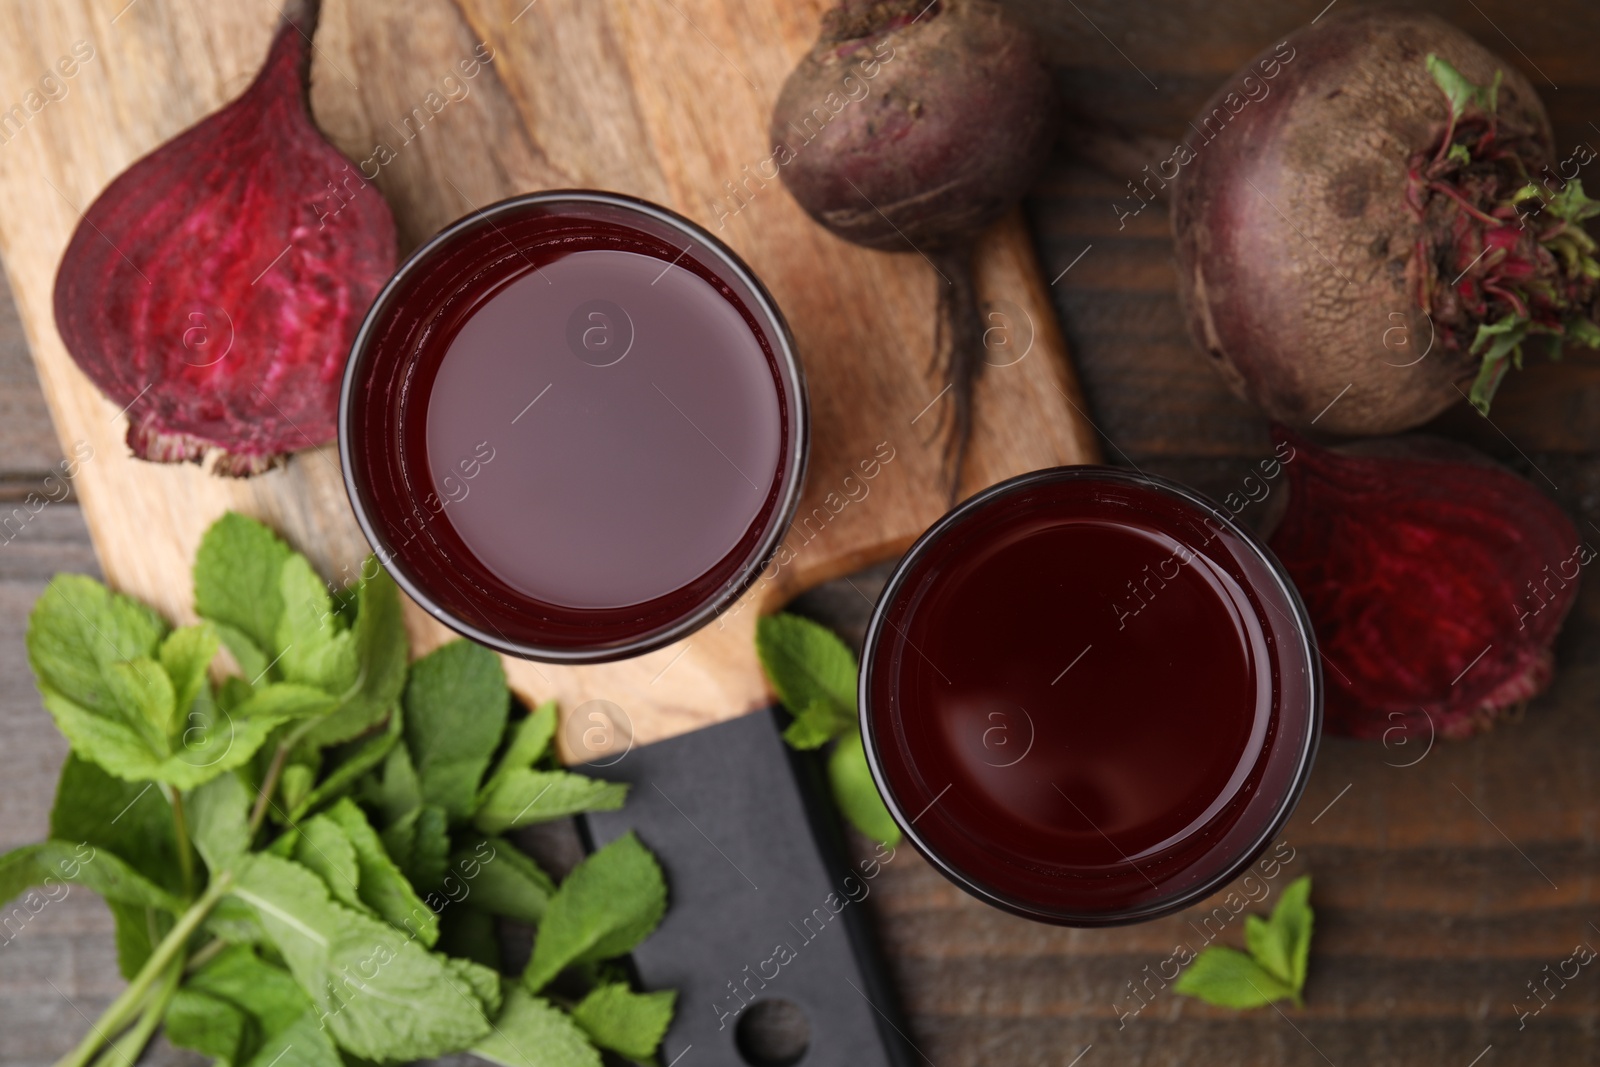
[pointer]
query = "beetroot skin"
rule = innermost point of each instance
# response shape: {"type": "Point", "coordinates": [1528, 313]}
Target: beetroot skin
{"type": "Point", "coordinates": [215, 287]}
{"type": "Point", "coordinates": [1355, 216]}
{"type": "Point", "coordinates": [1436, 579]}
{"type": "Point", "coordinates": [950, 116]}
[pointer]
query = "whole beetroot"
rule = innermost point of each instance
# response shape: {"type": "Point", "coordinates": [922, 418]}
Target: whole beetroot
{"type": "Point", "coordinates": [1380, 224]}
{"type": "Point", "coordinates": [213, 289]}
{"type": "Point", "coordinates": [912, 126]}
{"type": "Point", "coordinates": [1437, 581]}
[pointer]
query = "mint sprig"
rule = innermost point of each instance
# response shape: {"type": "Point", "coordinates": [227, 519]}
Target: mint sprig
{"type": "Point", "coordinates": [814, 675]}
{"type": "Point", "coordinates": [1273, 969]}
{"type": "Point", "coordinates": [318, 870]}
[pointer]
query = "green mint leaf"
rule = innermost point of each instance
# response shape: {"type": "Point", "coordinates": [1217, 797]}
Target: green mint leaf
{"type": "Point", "coordinates": [219, 821]}
{"type": "Point", "coordinates": [529, 740]}
{"type": "Point", "coordinates": [305, 1043]}
{"type": "Point", "coordinates": [77, 629]}
{"type": "Point", "coordinates": [323, 848]}
{"type": "Point", "coordinates": [286, 1031]}
{"type": "Point", "coordinates": [381, 885]}
{"type": "Point", "coordinates": [186, 655]}
{"type": "Point", "coordinates": [137, 931]}
{"type": "Point", "coordinates": [522, 797]}
{"type": "Point", "coordinates": [143, 693]}
{"type": "Point", "coordinates": [856, 793]}
{"type": "Point", "coordinates": [420, 843]}
{"type": "Point", "coordinates": [1228, 978]}
{"type": "Point", "coordinates": [381, 995]}
{"type": "Point", "coordinates": [467, 933]}
{"type": "Point", "coordinates": [236, 584]}
{"type": "Point", "coordinates": [379, 638]}
{"type": "Point", "coordinates": [807, 664]}
{"type": "Point", "coordinates": [481, 981]}
{"type": "Point", "coordinates": [1269, 946]}
{"type": "Point", "coordinates": [314, 646]}
{"type": "Point", "coordinates": [394, 790]}
{"type": "Point", "coordinates": [504, 880]}
{"type": "Point", "coordinates": [532, 1032]}
{"type": "Point", "coordinates": [1294, 919]}
{"type": "Point", "coordinates": [131, 819]}
{"type": "Point", "coordinates": [284, 701]}
{"type": "Point", "coordinates": [617, 1018]}
{"type": "Point", "coordinates": [344, 777]}
{"type": "Point", "coordinates": [268, 992]}
{"type": "Point", "coordinates": [456, 703]}
{"type": "Point", "coordinates": [208, 1025]}
{"type": "Point", "coordinates": [253, 662]}
{"type": "Point", "coordinates": [820, 722]}
{"type": "Point", "coordinates": [210, 744]}
{"type": "Point", "coordinates": [48, 864]}
{"type": "Point", "coordinates": [607, 905]}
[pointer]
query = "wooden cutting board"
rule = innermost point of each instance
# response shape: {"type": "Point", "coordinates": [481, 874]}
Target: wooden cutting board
{"type": "Point", "coordinates": [664, 99]}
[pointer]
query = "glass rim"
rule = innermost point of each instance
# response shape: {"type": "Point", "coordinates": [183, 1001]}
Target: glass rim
{"type": "Point", "coordinates": [1163, 905]}
{"type": "Point", "coordinates": [796, 444]}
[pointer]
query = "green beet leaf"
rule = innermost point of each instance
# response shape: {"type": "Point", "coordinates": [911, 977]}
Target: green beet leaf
{"type": "Point", "coordinates": [1228, 978]}
{"type": "Point", "coordinates": [617, 1018]}
{"type": "Point", "coordinates": [609, 903]}
{"type": "Point", "coordinates": [532, 1032]}
{"type": "Point", "coordinates": [236, 583]}
{"type": "Point", "coordinates": [856, 793]}
{"type": "Point", "coordinates": [456, 703]}
{"type": "Point", "coordinates": [522, 797]}
{"type": "Point", "coordinates": [381, 995]}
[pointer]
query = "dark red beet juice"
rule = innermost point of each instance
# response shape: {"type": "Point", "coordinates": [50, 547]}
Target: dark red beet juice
{"type": "Point", "coordinates": [1089, 697]}
{"type": "Point", "coordinates": [573, 426]}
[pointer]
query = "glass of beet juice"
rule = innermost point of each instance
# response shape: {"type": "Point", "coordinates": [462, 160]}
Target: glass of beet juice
{"type": "Point", "coordinates": [1088, 697]}
{"type": "Point", "coordinates": [573, 426]}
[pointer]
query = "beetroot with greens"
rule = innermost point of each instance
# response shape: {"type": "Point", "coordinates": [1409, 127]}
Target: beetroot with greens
{"type": "Point", "coordinates": [215, 286]}
{"type": "Point", "coordinates": [1437, 581]}
{"type": "Point", "coordinates": [1382, 229]}
{"type": "Point", "coordinates": [957, 122]}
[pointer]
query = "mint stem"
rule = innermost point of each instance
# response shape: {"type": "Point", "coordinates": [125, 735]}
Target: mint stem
{"type": "Point", "coordinates": [270, 783]}
{"type": "Point", "coordinates": [115, 1017]}
{"type": "Point", "coordinates": [180, 826]}
{"type": "Point", "coordinates": [126, 1052]}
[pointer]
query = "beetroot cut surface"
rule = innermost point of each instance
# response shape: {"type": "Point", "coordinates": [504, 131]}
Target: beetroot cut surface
{"type": "Point", "coordinates": [215, 286]}
{"type": "Point", "coordinates": [1436, 579]}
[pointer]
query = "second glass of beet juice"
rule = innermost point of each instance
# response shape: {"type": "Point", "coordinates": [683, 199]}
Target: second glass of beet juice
{"type": "Point", "coordinates": [573, 426]}
{"type": "Point", "coordinates": [1089, 697]}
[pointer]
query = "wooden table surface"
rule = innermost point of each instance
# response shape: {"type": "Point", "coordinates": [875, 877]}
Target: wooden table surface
{"type": "Point", "coordinates": [1443, 885]}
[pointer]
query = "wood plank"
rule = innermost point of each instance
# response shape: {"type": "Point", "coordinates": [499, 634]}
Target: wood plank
{"type": "Point", "coordinates": [644, 99]}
